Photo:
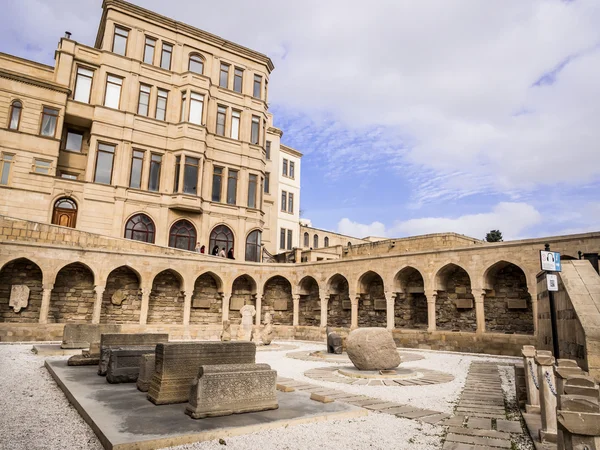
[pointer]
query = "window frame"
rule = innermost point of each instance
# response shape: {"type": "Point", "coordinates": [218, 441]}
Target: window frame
{"type": "Point", "coordinates": [326, 241]}
{"type": "Point", "coordinates": [177, 174]}
{"type": "Point", "coordinates": [290, 203]}
{"type": "Point", "coordinates": [283, 204]}
{"type": "Point", "coordinates": [290, 238]}
{"type": "Point", "coordinates": [220, 175]}
{"type": "Point", "coordinates": [237, 76]}
{"type": "Point", "coordinates": [36, 165]}
{"type": "Point", "coordinates": [183, 106]}
{"type": "Point", "coordinates": [291, 167]}
{"type": "Point", "coordinates": [306, 239]}
{"type": "Point", "coordinates": [197, 167]}
{"type": "Point", "coordinates": [236, 178]}
{"type": "Point", "coordinates": [315, 241]}
{"type": "Point", "coordinates": [221, 230]}
{"type": "Point", "coordinates": [254, 246]}
{"type": "Point", "coordinates": [282, 236]}
{"type": "Point", "coordinates": [73, 131]}
{"type": "Point", "coordinates": [146, 45]}
{"type": "Point", "coordinates": [152, 161]}
{"type": "Point", "coordinates": [221, 71]}
{"type": "Point", "coordinates": [201, 102]}
{"type": "Point", "coordinates": [237, 115]}
{"type": "Point", "coordinates": [77, 75]}
{"type": "Point", "coordinates": [201, 60]}
{"type": "Point", "coordinates": [146, 231]}
{"type": "Point", "coordinates": [98, 151]}
{"type": "Point", "coordinates": [255, 121]}
{"type": "Point", "coordinates": [221, 114]}
{"type": "Point", "coordinates": [126, 30]}
{"type": "Point", "coordinates": [162, 53]}
{"type": "Point", "coordinates": [133, 159]}
{"type": "Point", "coordinates": [267, 183]}
{"type": "Point", "coordinates": [257, 80]}
{"type": "Point", "coordinates": [284, 168]}
{"type": "Point", "coordinates": [57, 115]}
{"type": "Point", "coordinates": [108, 75]}
{"type": "Point", "coordinates": [250, 190]}
{"type": "Point", "coordinates": [10, 114]}
{"type": "Point", "coordinates": [268, 150]}
{"type": "Point", "coordinates": [149, 94]}
{"type": "Point", "coordinates": [158, 97]}
{"type": "Point", "coordinates": [6, 159]}
{"type": "Point", "coordinates": [192, 242]}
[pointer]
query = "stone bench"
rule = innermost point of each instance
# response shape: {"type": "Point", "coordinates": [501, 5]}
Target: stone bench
{"type": "Point", "coordinates": [83, 335]}
{"type": "Point", "coordinates": [178, 364]}
{"type": "Point", "coordinates": [124, 363]}
{"type": "Point", "coordinates": [120, 340]}
{"type": "Point", "coordinates": [147, 366]}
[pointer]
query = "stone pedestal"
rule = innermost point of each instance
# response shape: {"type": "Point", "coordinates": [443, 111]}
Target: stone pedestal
{"type": "Point", "coordinates": [147, 365]}
{"type": "Point", "coordinates": [547, 384]}
{"type": "Point", "coordinates": [531, 370]}
{"type": "Point", "coordinates": [121, 340]}
{"type": "Point", "coordinates": [84, 335]}
{"type": "Point", "coordinates": [124, 363]}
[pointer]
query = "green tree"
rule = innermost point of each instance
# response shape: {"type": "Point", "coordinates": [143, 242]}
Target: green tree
{"type": "Point", "coordinates": [494, 236]}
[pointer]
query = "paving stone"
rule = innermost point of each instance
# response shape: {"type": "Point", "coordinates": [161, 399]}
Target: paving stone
{"type": "Point", "coordinates": [352, 398]}
{"type": "Point", "coordinates": [416, 414]}
{"type": "Point", "coordinates": [436, 418]}
{"type": "Point", "coordinates": [509, 426]}
{"type": "Point", "coordinates": [380, 406]}
{"type": "Point", "coordinates": [458, 446]}
{"type": "Point", "coordinates": [455, 421]}
{"type": "Point", "coordinates": [479, 441]}
{"type": "Point", "coordinates": [371, 401]}
{"type": "Point", "coordinates": [481, 433]}
{"type": "Point", "coordinates": [479, 422]}
{"type": "Point", "coordinates": [400, 409]}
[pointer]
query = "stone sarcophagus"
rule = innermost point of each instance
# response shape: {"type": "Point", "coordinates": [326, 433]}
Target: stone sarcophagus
{"type": "Point", "coordinates": [178, 364]}
{"type": "Point", "coordinates": [147, 364]}
{"type": "Point", "coordinates": [124, 363]}
{"type": "Point", "coordinates": [224, 389]}
{"type": "Point", "coordinates": [84, 335]}
{"type": "Point", "coordinates": [121, 340]}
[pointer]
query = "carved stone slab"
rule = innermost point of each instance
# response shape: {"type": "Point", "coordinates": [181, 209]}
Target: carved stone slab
{"type": "Point", "coordinates": [203, 303]}
{"type": "Point", "coordinates": [236, 304]}
{"type": "Point", "coordinates": [19, 297]}
{"type": "Point", "coordinates": [280, 305]}
{"type": "Point", "coordinates": [178, 364]}
{"type": "Point", "coordinates": [380, 304]}
{"type": "Point", "coordinates": [464, 303]}
{"type": "Point", "coordinates": [120, 340]}
{"type": "Point", "coordinates": [124, 363]}
{"type": "Point", "coordinates": [147, 366]}
{"type": "Point", "coordinates": [84, 335]}
{"type": "Point", "coordinates": [517, 303]}
{"type": "Point", "coordinates": [220, 390]}
{"type": "Point", "coordinates": [346, 304]}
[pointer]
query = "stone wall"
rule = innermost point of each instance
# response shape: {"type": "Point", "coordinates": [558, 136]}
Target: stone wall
{"type": "Point", "coordinates": [310, 307]}
{"type": "Point", "coordinates": [207, 303]}
{"type": "Point", "coordinates": [410, 311]}
{"type": "Point", "coordinates": [339, 308]}
{"type": "Point", "coordinates": [166, 299]}
{"type": "Point", "coordinates": [372, 309]}
{"type": "Point", "coordinates": [19, 272]}
{"type": "Point", "coordinates": [277, 299]}
{"type": "Point", "coordinates": [458, 291]}
{"type": "Point", "coordinates": [241, 294]}
{"type": "Point", "coordinates": [73, 297]}
{"type": "Point", "coordinates": [121, 284]}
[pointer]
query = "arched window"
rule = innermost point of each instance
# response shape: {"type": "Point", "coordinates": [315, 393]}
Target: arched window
{"type": "Point", "coordinates": [349, 244]}
{"type": "Point", "coordinates": [221, 236]}
{"type": "Point", "coordinates": [196, 64]}
{"type": "Point", "coordinates": [326, 242]}
{"type": "Point", "coordinates": [64, 213]}
{"type": "Point", "coordinates": [15, 115]}
{"type": "Point", "coordinates": [183, 235]}
{"type": "Point", "coordinates": [140, 228]}
{"type": "Point", "coordinates": [316, 241]}
{"type": "Point", "coordinates": [306, 240]}
{"type": "Point", "coordinates": [253, 246]}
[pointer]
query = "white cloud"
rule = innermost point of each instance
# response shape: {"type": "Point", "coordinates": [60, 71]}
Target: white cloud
{"type": "Point", "coordinates": [355, 229]}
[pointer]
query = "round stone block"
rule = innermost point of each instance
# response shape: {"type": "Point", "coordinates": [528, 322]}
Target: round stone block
{"type": "Point", "coordinates": [372, 349]}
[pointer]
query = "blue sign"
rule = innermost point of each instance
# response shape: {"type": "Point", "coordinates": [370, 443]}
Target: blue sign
{"type": "Point", "coordinates": [550, 261]}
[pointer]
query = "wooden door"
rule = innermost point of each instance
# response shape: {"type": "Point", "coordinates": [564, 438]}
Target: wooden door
{"type": "Point", "coordinates": [64, 217]}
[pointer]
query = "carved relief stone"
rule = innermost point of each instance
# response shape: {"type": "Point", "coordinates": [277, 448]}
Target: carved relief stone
{"type": "Point", "coordinates": [124, 363]}
{"type": "Point", "coordinates": [280, 305]}
{"type": "Point", "coordinates": [19, 297]}
{"type": "Point", "coordinates": [118, 297]}
{"type": "Point", "coordinates": [246, 327]}
{"type": "Point", "coordinates": [267, 332]}
{"type": "Point", "coordinates": [147, 363]}
{"type": "Point", "coordinates": [120, 340]}
{"type": "Point", "coordinates": [226, 333]}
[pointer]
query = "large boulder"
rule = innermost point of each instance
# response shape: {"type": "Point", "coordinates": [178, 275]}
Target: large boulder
{"type": "Point", "coordinates": [372, 349]}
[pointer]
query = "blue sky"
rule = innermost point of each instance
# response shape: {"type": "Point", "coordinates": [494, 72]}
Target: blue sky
{"type": "Point", "coordinates": [414, 117]}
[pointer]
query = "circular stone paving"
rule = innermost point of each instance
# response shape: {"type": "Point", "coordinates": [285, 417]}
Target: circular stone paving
{"type": "Point", "coordinates": [322, 355]}
{"type": "Point", "coordinates": [275, 347]}
{"type": "Point", "coordinates": [395, 377]}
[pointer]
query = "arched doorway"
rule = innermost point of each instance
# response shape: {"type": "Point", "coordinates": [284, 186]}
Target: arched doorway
{"type": "Point", "coordinates": [183, 235]}
{"type": "Point", "coordinates": [72, 299]}
{"type": "Point", "coordinates": [207, 300]}
{"type": "Point", "coordinates": [122, 298]}
{"type": "Point", "coordinates": [64, 213]}
{"type": "Point", "coordinates": [166, 299]}
{"type": "Point", "coordinates": [140, 227]}
{"type": "Point", "coordinates": [243, 292]}
{"type": "Point", "coordinates": [221, 236]}
{"type": "Point", "coordinates": [21, 272]}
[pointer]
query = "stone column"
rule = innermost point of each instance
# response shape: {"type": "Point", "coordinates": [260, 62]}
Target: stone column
{"type": "Point", "coordinates": [98, 303]}
{"type": "Point", "coordinates": [226, 299]}
{"type": "Point", "coordinates": [530, 366]}
{"type": "Point", "coordinates": [296, 300]}
{"type": "Point", "coordinates": [145, 305]}
{"type": "Point", "coordinates": [324, 296]}
{"type": "Point", "coordinates": [187, 307]}
{"type": "Point", "coordinates": [258, 308]}
{"type": "Point", "coordinates": [479, 310]}
{"type": "Point", "coordinates": [45, 308]}
{"type": "Point", "coordinates": [354, 318]}
{"type": "Point", "coordinates": [389, 304]}
{"type": "Point", "coordinates": [547, 383]}
{"type": "Point", "coordinates": [431, 298]}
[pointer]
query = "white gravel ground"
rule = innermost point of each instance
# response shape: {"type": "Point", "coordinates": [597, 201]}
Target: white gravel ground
{"type": "Point", "coordinates": [34, 414]}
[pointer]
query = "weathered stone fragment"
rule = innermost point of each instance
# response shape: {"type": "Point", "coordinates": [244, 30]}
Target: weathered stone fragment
{"type": "Point", "coordinates": [147, 367]}
{"type": "Point", "coordinates": [226, 333]}
{"type": "Point", "coordinates": [120, 340]}
{"type": "Point", "coordinates": [225, 389]}
{"type": "Point", "coordinates": [178, 364]}
{"type": "Point", "coordinates": [334, 342]}
{"type": "Point", "coordinates": [83, 360]}
{"type": "Point", "coordinates": [83, 335]}
{"type": "Point", "coordinates": [124, 363]}
{"type": "Point", "coordinates": [19, 297]}
{"type": "Point", "coordinates": [246, 327]}
{"type": "Point", "coordinates": [372, 349]}
{"type": "Point", "coordinates": [266, 336]}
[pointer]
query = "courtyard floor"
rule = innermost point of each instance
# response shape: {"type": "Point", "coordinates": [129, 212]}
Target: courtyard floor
{"type": "Point", "coordinates": [34, 413]}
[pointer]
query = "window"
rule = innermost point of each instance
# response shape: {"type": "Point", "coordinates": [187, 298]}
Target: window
{"type": "Point", "coordinates": [232, 176]}
{"type": "Point", "coordinates": [149, 50]}
{"type": "Point", "coordinates": [120, 41]}
{"type": "Point", "coordinates": [165, 56]}
{"type": "Point", "coordinates": [112, 96]}
{"type": "Point", "coordinates": [83, 85]}
{"type": "Point", "coordinates": [196, 105]}
{"type": "Point", "coordinates": [252, 182]}
{"type": "Point", "coordinates": [15, 115]}
{"type": "Point", "coordinates": [68, 176]}
{"type": "Point", "coordinates": [137, 162]}
{"type": "Point", "coordinates": [326, 242]}
{"type": "Point", "coordinates": [316, 241]}
{"type": "Point", "coordinates": [41, 166]}
{"type": "Point", "coordinates": [268, 149]}
{"type": "Point", "coordinates": [74, 141]}
{"type": "Point", "coordinates": [306, 239]}
{"type": "Point", "coordinates": [292, 169]}
{"type": "Point", "coordinates": [49, 119]}
{"type": "Point", "coordinates": [285, 167]}
{"type": "Point", "coordinates": [221, 236]}
{"type": "Point", "coordinates": [253, 246]}
{"type": "Point", "coordinates": [267, 182]}
{"type": "Point", "coordinates": [290, 203]}
{"type": "Point", "coordinates": [140, 228]}
{"type": "Point", "coordinates": [238, 75]}
{"type": "Point", "coordinates": [224, 75]}
{"type": "Point", "coordinates": [282, 239]}
{"type": "Point", "coordinates": [221, 115]}
{"type": "Point", "coordinates": [283, 200]}
{"type": "Point", "coordinates": [217, 183]}
{"type": "Point", "coordinates": [177, 169]}
{"type": "Point", "coordinates": [161, 104]}
{"type": "Point", "coordinates": [182, 235]}
{"type": "Point", "coordinates": [64, 213]}
{"type": "Point", "coordinates": [289, 239]}
{"type": "Point", "coordinates": [154, 178]}
{"type": "Point", "coordinates": [257, 86]}
{"type": "Point", "coordinates": [7, 161]}
{"type": "Point", "coordinates": [183, 102]}
{"type": "Point", "coordinates": [255, 131]}
{"type": "Point", "coordinates": [144, 100]}
{"type": "Point", "coordinates": [190, 175]}
{"type": "Point", "coordinates": [196, 64]}
{"type": "Point", "coordinates": [235, 124]}
{"type": "Point", "coordinates": [104, 163]}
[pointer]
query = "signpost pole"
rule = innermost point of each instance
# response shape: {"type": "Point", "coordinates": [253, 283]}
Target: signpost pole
{"type": "Point", "coordinates": [553, 322]}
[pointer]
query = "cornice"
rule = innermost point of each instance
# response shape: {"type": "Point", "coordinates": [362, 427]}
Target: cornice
{"type": "Point", "coordinates": [290, 150]}
{"type": "Point", "coordinates": [9, 74]}
{"type": "Point", "coordinates": [274, 130]}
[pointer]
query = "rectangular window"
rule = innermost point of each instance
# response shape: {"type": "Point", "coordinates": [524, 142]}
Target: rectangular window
{"type": "Point", "coordinates": [224, 75]}
{"type": "Point", "coordinates": [267, 182]}
{"type": "Point", "coordinates": [177, 168]}
{"type": "Point", "coordinates": [290, 203]}
{"type": "Point", "coordinates": [232, 176]}
{"type": "Point", "coordinates": [221, 115]}
{"type": "Point", "coordinates": [74, 141]}
{"type": "Point", "coordinates": [154, 178]}
{"type": "Point", "coordinates": [196, 105]}
{"type": "Point", "coordinates": [238, 75]}
{"type": "Point", "coordinates": [120, 41]}
{"type": "Point", "coordinates": [283, 200]}
{"type": "Point", "coordinates": [49, 120]}
{"type": "Point", "coordinates": [165, 56]}
{"type": "Point", "coordinates": [235, 124]}
{"type": "Point", "coordinates": [282, 239]}
{"type": "Point", "coordinates": [68, 176]}
{"type": "Point", "coordinates": [112, 96]}
{"type": "Point", "coordinates": [255, 130]}
{"type": "Point", "coordinates": [217, 183]}
{"type": "Point", "coordinates": [257, 86]}
{"type": "Point", "coordinates": [285, 167]}
{"type": "Point", "coordinates": [104, 163]}
{"type": "Point", "coordinates": [268, 150]}
{"type": "Point", "coordinates": [161, 104]}
{"type": "Point", "coordinates": [137, 162]}
{"type": "Point", "coordinates": [149, 50]}
{"type": "Point", "coordinates": [144, 100]}
{"type": "Point", "coordinates": [292, 169]}
{"type": "Point", "coordinates": [41, 166]}
{"type": "Point", "coordinates": [7, 161]}
{"type": "Point", "coordinates": [252, 181]}
{"type": "Point", "coordinates": [183, 105]}
{"type": "Point", "coordinates": [190, 175]}
{"type": "Point", "coordinates": [289, 236]}
{"type": "Point", "coordinates": [83, 85]}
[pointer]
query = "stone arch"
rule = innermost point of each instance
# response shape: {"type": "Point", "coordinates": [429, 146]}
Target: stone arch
{"type": "Point", "coordinates": [21, 271]}
{"type": "Point", "coordinates": [277, 300]}
{"type": "Point", "coordinates": [410, 304]}
{"type": "Point", "coordinates": [122, 297]}
{"type": "Point", "coordinates": [72, 299]}
{"type": "Point", "coordinates": [507, 305]}
{"type": "Point", "coordinates": [84, 264]}
{"type": "Point", "coordinates": [455, 304]}
{"type": "Point", "coordinates": [339, 306]}
{"type": "Point", "coordinates": [372, 307]}
{"type": "Point", "coordinates": [166, 298]}
{"type": "Point", "coordinates": [207, 300]}
{"type": "Point", "coordinates": [310, 303]}
{"type": "Point", "coordinates": [243, 292]}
